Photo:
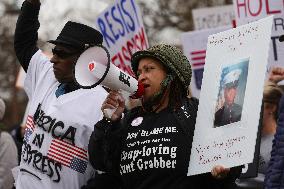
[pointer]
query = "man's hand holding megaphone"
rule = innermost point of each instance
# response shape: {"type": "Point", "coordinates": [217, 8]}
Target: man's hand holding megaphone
{"type": "Point", "coordinates": [116, 102]}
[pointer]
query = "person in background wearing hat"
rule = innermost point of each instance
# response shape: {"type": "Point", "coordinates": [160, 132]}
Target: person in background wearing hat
{"type": "Point", "coordinates": [8, 155]}
{"type": "Point", "coordinates": [230, 112]}
{"type": "Point", "coordinates": [60, 116]}
{"type": "Point", "coordinates": [275, 171]}
{"type": "Point", "coordinates": [150, 146]}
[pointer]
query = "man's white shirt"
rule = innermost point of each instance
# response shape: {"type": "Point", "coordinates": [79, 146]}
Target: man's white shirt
{"type": "Point", "coordinates": [55, 150]}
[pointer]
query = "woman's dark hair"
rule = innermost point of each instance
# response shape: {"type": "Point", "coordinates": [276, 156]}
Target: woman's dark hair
{"type": "Point", "coordinates": [177, 94]}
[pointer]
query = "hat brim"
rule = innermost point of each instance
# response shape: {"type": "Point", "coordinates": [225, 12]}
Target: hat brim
{"type": "Point", "coordinates": [281, 38]}
{"type": "Point", "coordinates": [231, 84]}
{"type": "Point", "coordinates": [63, 43]}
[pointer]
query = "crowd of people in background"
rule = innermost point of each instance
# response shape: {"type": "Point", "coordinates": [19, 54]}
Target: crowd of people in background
{"type": "Point", "coordinates": [8, 154]}
{"type": "Point", "coordinates": [272, 94]}
{"type": "Point", "coordinates": [67, 141]}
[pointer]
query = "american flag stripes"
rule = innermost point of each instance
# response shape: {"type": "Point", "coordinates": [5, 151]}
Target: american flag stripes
{"type": "Point", "coordinates": [197, 59]}
{"type": "Point", "coordinates": [68, 155]}
{"type": "Point", "coordinates": [30, 123]}
{"type": "Point", "coordinates": [30, 126]}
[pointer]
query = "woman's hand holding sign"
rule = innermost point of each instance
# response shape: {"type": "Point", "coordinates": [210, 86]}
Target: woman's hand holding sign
{"type": "Point", "coordinates": [219, 172]}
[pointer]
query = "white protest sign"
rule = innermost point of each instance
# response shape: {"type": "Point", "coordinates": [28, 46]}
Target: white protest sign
{"type": "Point", "coordinates": [194, 47]}
{"type": "Point", "coordinates": [247, 11]}
{"type": "Point", "coordinates": [123, 31]}
{"type": "Point", "coordinates": [213, 17]}
{"type": "Point", "coordinates": [225, 133]}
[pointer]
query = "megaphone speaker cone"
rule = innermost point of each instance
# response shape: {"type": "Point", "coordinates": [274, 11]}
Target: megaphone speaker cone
{"type": "Point", "coordinates": [95, 59]}
{"type": "Point", "coordinates": [93, 68]}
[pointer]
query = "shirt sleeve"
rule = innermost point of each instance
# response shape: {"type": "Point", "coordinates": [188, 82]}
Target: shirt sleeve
{"type": "Point", "coordinates": [39, 68]}
{"type": "Point", "coordinates": [105, 146]}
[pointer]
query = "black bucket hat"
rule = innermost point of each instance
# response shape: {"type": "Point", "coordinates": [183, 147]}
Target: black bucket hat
{"type": "Point", "coordinates": [78, 36]}
{"type": "Point", "coordinates": [170, 56]}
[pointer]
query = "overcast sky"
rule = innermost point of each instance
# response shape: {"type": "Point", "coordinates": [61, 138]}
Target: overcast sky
{"type": "Point", "coordinates": [55, 13]}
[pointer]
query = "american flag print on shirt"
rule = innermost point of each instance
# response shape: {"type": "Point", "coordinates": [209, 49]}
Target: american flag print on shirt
{"type": "Point", "coordinates": [30, 127]}
{"type": "Point", "coordinates": [68, 155]}
{"type": "Point", "coordinates": [197, 58]}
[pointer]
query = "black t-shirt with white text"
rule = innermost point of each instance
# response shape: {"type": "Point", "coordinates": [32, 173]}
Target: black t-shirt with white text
{"type": "Point", "coordinates": [155, 153]}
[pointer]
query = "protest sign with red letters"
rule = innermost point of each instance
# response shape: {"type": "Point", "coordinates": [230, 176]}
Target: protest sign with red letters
{"type": "Point", "coordinates": [247, 11]}
{"type": "Point", "coordinates": [122, 28]}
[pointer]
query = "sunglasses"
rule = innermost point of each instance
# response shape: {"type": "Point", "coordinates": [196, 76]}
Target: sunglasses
{"type": "Point", "coordinates": [63, 54]}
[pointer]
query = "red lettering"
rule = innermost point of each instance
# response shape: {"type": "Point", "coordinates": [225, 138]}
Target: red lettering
{"type": "Point", "coordinates": [143, 40]}
{"type": "Point", "coordinates": [113, 60]}
{"type": "Point", "coordinates": [268, 11]}
{"type": "Point", "coordinates": [259, 8]}
{"type": "Point", "coordinates": [125, 54]}
{"type": "Point", "coordinates": [130, 47]}
{"type": "Point", "coordinates": [122, 59]}
{"type": "Point", "coordinates": [136, 41]}
{"type": "Point", "coordinates": [239, 5]}
{"type": "Point", "coordinates": [118, 61]}
{"type": "Point", "coordinates": [122, 65]}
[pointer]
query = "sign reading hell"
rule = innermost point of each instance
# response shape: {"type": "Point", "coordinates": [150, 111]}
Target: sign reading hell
{"type": "Point", "coordinates": [247, 11]}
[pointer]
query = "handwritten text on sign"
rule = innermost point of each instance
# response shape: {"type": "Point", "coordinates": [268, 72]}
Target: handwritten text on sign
{"type": "Point", "coordinates": [233, 143]}
{"type": "Point", "coordinates": [223, 149]}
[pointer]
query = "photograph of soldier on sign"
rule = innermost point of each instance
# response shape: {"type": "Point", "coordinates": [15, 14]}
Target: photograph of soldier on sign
{"type": "Point", "coordinates": [231, 93]}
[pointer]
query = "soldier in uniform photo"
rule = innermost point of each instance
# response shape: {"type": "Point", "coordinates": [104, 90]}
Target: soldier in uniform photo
{"type": "Point", "coordinates": [229, 112]}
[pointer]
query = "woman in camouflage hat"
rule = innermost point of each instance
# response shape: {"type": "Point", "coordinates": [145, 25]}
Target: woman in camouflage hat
{"type": "Point", "coordinates": [150, 146]}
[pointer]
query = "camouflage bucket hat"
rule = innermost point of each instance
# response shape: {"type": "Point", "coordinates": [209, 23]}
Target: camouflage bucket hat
{"type": "Point", "coordinates": [170, 56]}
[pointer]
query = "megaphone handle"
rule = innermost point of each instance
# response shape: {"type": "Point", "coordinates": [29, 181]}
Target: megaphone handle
{"type": "Point", "coordinates": [108, 112]}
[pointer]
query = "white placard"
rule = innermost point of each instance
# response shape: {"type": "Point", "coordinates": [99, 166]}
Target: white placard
{"type": "Point", "coordinates": [194, 47]}
{"type": "Point", "coordinates": [213, 17]}
{"type": "Point", "coordinates": [248, 11]}
{"type": "Point", "coordinates": [122, 27]}
{"type": "Point", "coordinates": [240, 55]}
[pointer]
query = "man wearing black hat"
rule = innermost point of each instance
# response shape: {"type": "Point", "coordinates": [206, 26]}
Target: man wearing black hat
{"type": "Point", "coordinates": [61, 116]}
{"type": "Point", "coordinates": [275, 171]}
